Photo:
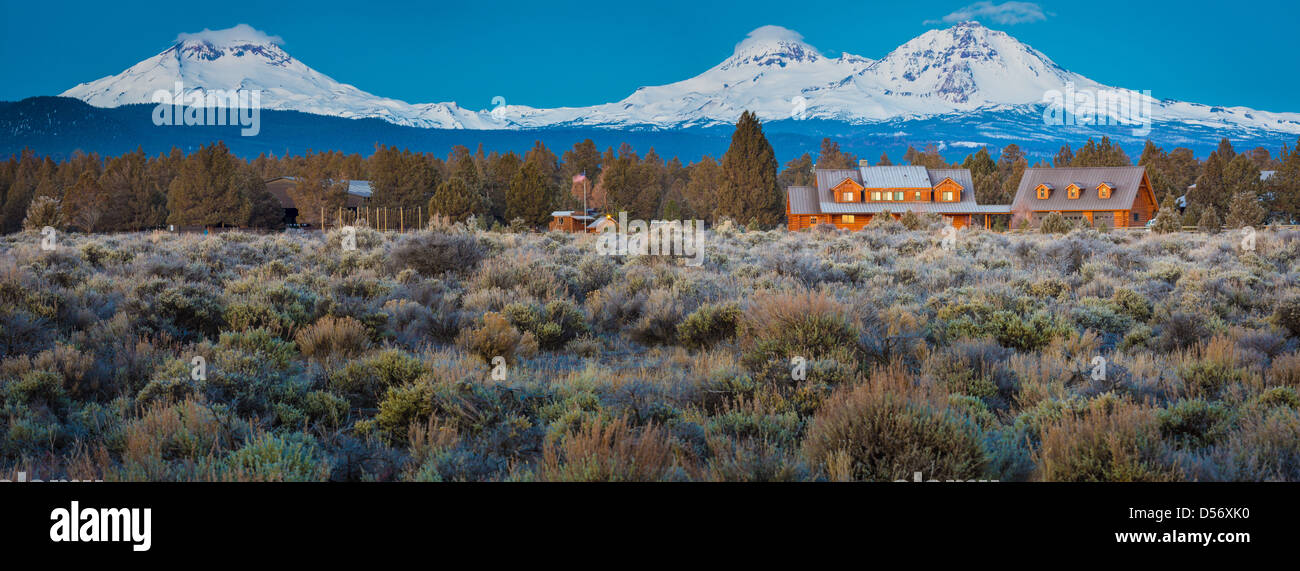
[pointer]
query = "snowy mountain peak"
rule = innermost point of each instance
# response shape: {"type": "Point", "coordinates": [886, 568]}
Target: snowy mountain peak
{"type": "Point", "coordinates": [971, 64]}
{"type": "Point", "coordinates": [772, 46]}
{"type": "Point", "coordinates": [203, 50]}
{"type": "Point", "coordinates": [966, 68]}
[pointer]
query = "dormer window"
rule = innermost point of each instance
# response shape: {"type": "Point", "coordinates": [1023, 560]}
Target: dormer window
{"type": "Point", "coordinates": [1072, 191]}
{"type": "Point", "coordinates": [1044, 191]}
{"type": "Point", "coordinates": [848, 190]}
{"type": "Point", "coordinates": [948, 191]}
{"type": "Point", "coordinates": [1104, 190]}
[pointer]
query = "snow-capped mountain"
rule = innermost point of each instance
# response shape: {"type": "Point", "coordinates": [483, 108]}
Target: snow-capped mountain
{"type": "Point", "coordinates": [967, 68]}
{"type": "Point", "coordinates": [244, 58]}
{"type": "Point", "coordinates": [770, 73]}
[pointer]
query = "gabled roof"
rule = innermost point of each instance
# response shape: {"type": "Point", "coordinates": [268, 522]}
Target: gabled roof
{"type": "Point", "coordinates": [1123, 181]}
{"type": "Point", "coordinates": [818, 200]}
{"type": "Point", "coordinates": [895, 177]}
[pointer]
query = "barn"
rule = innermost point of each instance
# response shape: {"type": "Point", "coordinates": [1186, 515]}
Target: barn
{"type": "Point", "coordinates": [282, 189]}
{"type": "Point", "coordinates": [1118, 197]}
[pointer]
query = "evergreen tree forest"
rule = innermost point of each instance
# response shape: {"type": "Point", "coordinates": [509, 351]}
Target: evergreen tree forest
{"type": "Point", "coordinates": [213, 187]}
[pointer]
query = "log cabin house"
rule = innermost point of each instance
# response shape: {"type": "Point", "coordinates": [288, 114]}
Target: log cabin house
{"type": "Point", "coordinates": [576, 221]}
{"type": "Point", "coordinates": [849, 198]}
{"type": "Point", "coordinates": [1119, 197]}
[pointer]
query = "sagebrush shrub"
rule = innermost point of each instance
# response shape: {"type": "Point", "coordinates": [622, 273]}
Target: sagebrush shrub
{"type": "Point", "coordinates": [497, 338]}
{"type": "Point", "coordinates": [434, 253]}
{"type": "Point", "coordinates": [333, 338]}
{"type": "Point", "coordinates": [709, 325]}
{"type": "Point", "coordinates": [1287, 313]}
{"type": "Point", "coordinates": [887, 429]}
{"type": "Point", "coordinates": [1111, 440]}
{"type": "Point", "coordinates": [608, 451]}
{"type": "Point", "coordinates": [807, 324]}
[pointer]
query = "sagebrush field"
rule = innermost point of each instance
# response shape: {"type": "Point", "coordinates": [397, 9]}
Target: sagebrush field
{"type": "Point", "coordinates": [821, 355]}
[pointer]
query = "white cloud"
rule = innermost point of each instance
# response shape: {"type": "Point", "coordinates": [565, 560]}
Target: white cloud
{"type": "Point", "coordinates": [241, 32]}
{"type": "Point", "coordinates": [767, 34]}
{"type": "Point", "coordinates": [1005, 13]}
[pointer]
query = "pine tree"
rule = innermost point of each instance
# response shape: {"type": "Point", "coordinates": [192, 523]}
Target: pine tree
{"type": "Point", "coordinates": [530, 197]}
{"type": "Point", "coordinates": [86, 203]}
{"type": "Point", "coordinates": [1211, 187]}
{"type": "Point", "coordinates": [1064, 157]}
{"type": "Point", "coordinates": [830, 156]}
{"type": "Point", "coordinates": [454, 199]}
{"type": "Point", "coordinates": [1283, 188]}
{"type": "Point", "coordinates": [984, 173]}
{"type": "Point", "coordinates": [1244, 210]}
{"type": "Point", "coordinates": [884, 160]}
{"type": "Point", "coordinates": [320, 190]}
{"type": "Point", "coordinates": [260, 208]}
{"type": "Point", "coordinates": [749, 189]}
{"type": "Point", "coordinates": [797, 172]}
{"type": "Point", "coordinates": [1209, 221]}
{"type": "Point", "coordinates": [500, 171]}
{"type": "Point", "coordinates": [1167, 219]}
{"type": "Point", "coordinates": [703, 186]}
{"type": "Point", "coordinates": [44, 211]}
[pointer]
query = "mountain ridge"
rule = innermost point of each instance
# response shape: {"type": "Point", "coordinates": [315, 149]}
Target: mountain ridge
{"type": "Point", "coordinates": [773, 72]}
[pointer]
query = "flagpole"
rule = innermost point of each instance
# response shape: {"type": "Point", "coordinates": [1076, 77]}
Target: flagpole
{"type": "Point", "coordinates": [584, 193]}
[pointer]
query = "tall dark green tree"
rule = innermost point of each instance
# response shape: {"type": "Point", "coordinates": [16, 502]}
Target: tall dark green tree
{"type": "Point", "coordinates": [531, 195]}
{"type": "Point", "coordinates": [205, 191]}
{"type": "Point", "coordinates": [749, 189]}
{"type": "Point", "coordinates": [454, 199]}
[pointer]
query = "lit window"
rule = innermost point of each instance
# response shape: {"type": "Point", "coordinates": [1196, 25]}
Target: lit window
{"type": "Point", "coordinates": [889, 196]}
{"type": "Point", "coordinates": [848, 197]}
{"type": "Point", "coordinates": [898, 196]}
{"type": "Point", "coordinates": [813, 220]}
{"type": "Point", "coordinates": [947, 196]}
{"type": "Point", "coordinates": [875, 195]}
{"type": "Point", "coordinates": [1103, 192]}
{"type": "Point", "coordinates": [917, 195]}
{"type": "Point", "coordinates": [846, 219]}
{"type": "Point", "coordinates": [1074, 192]}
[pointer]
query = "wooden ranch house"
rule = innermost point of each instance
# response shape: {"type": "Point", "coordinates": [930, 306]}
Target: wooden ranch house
{"type": "Point", "coordinates": [1119, 197]}
{"type": "Point", "coordinates": [849, 198]}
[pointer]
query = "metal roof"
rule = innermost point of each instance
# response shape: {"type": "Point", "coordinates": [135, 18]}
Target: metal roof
{"type": "Point", "coordinates": [355, 187]}
{"type": "Point", "coordinates": [818, 200]}
{"type": "Point", "coordinates": [802, 200]}
{"type": "Point", "coordinates": [895, 177]}
{"type": "Point", "coordinates": [1124, 183]}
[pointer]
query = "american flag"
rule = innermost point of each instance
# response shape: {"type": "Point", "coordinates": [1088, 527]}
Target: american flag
{"type": "Point", "coordinates": [577, 178]}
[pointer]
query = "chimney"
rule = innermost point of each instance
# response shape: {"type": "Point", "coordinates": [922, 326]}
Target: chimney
{"type": "Point", "coordinates": [863, 163]}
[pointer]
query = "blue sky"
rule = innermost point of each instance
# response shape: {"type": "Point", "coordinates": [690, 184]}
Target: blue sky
{"type": "Point", "coordinates": [554, 53]}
